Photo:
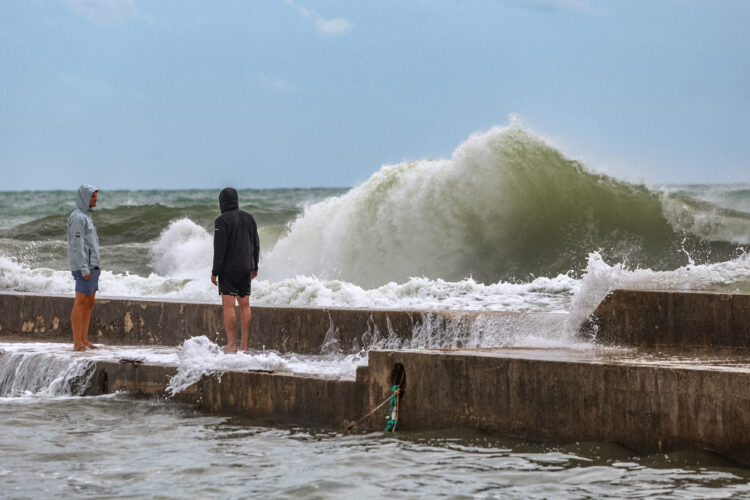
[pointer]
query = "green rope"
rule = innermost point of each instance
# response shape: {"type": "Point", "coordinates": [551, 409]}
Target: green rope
{"type": "Point", "coordinates": [391, 418]}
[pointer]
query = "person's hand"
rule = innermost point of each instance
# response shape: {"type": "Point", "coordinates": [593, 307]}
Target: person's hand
{"type": "Point", "coordinates": [213, 280]}
{"type": "Point", "coordinates": [87, 277]}
{"type": "Point", "coordinates": [253, 275]}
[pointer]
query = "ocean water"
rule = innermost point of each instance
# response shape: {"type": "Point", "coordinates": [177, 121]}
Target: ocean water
{"type": "Point", "coordinates": [507, 223]}
{"type": "Point", "coordinates": [117, 447]}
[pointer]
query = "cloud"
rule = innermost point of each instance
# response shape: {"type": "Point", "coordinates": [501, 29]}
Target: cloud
{"type": "Point", "coordinates": [337, 26]}
{"type": "Point", "coordinates": [275, 83]}
{"type": "Point", "coordinates": [103, 11]}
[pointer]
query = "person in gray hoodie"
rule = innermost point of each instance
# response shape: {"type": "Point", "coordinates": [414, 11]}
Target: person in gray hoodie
{"type": "Point", "coordinates": [83, 257]}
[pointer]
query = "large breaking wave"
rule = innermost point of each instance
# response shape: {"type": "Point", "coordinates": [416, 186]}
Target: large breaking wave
{"type": "Point", "coordinates": [506, 206]}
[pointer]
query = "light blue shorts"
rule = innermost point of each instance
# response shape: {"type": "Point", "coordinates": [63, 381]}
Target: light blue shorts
{"type": "Point", "coordinates": [87, 287]}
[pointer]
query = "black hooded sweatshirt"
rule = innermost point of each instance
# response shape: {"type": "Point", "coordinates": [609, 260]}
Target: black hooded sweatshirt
{"type": "Point", "coordinates": [236, 244]}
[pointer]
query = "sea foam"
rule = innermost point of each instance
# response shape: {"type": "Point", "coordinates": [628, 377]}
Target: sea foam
{"type": "Point", "coordinates": [183, 250]}
{"type": "Point", "coordinates": [601, 278]}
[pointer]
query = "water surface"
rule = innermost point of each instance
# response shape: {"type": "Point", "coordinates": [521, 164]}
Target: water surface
{"type": "Point", "coordinates": [119, 447]}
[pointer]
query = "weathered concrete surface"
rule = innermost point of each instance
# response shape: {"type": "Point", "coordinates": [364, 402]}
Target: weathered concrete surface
{"type": "Point", "coordinates": [117, 322]}
{"type": "Point", "coordinates": [134, 377]}
{"type": "Point", "coordinates": [284, 329]}
{"type": "Point", "coordinates": [278, 397]}
{"type": "Point", "coordinates": [305, 400]}
{"type": "Point", "coordinates": [528, 394]}
{"type": "Point", "coordinates": [673, 319]}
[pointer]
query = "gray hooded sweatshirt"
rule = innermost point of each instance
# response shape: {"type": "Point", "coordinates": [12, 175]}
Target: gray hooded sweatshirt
{"type": "Point", "coordinates": [83, 244]}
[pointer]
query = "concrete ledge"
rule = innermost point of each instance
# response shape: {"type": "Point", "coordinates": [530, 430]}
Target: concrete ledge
{"type": "Point", "coordinates": [672, 319]}
{"type": "Point", "coordinates": [280, 397]}
{"type": "Point", "coordinates": [530, 395]}
{"type": "Point", "coordinates": [285, 329]}
{"type": "Point", "coordinates": [302, 400]}
{"type": "Point", "coordinates": [135, 378]}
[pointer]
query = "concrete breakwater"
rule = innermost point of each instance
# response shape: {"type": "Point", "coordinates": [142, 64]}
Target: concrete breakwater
{"type": "Point", "coordinates": [651, 400]}
{"type": "Point", "coordinates": [304, 330]}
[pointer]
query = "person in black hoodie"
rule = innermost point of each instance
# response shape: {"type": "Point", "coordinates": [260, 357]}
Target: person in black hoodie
{"type": "Point", "coordinates": [236, 251]}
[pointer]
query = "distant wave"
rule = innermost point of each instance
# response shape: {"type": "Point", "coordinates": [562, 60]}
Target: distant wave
{"type": "Point", "coordinates": [731, 196]}
{"type": "Point", "coordinates": [706, 220]}
{"type": "Point", "coordinates": [138, 223]}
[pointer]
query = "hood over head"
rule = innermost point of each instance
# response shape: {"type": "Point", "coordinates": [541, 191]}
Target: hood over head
{"type": "Point", "coordinates": [228, 199]}
{"type": "Point", "coordinates": [84, 197]}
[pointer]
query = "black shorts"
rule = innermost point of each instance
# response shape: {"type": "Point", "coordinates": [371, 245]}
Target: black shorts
{"type": "Point", "coordinates": [237, 284]}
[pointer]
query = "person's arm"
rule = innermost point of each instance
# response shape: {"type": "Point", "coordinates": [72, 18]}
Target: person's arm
{"type": "Point", "coordinates": [78, 255]}
{"type": "Point", "coordinates": [220, 247]}
{"type": "Point", "coordinates": [256, 245]}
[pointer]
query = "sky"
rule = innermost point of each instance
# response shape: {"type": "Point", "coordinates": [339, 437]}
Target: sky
{"type": "Point", "coordinates": [160, 94]}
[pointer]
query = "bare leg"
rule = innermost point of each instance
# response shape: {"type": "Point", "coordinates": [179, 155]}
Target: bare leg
{"type": "Point", "coordinates": [89, 304]}
{"type": "Point", "coordinates": [246, 318]}
{"type": "Point", "coordinates": [76, 321]}
{"type": "Point", "coordinates": [230, 323]}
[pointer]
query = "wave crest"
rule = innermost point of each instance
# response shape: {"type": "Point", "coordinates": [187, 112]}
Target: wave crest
{"type": "Point", "coordinates": [506, 206]}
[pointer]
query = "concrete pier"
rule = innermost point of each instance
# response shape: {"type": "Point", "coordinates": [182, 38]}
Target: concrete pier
{"type": "Point", "coordinates": [652, 389]}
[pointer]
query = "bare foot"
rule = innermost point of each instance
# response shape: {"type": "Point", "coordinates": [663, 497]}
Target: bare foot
{"type": "Point", "coordinates": [79, 348]}
{"type": "Point", "coordinates": [230, 350]}
{"type": "Point", "coordinates": [92, 346]}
